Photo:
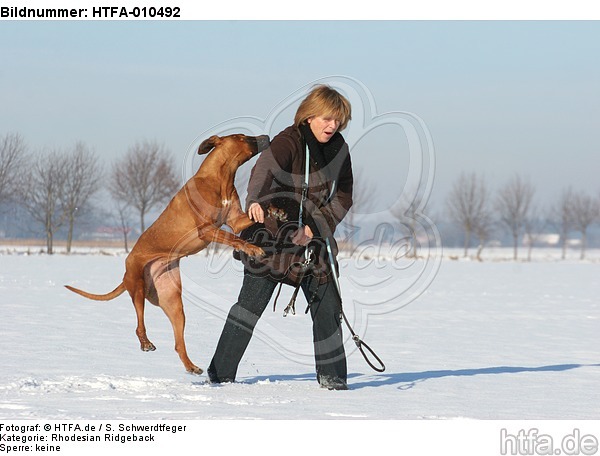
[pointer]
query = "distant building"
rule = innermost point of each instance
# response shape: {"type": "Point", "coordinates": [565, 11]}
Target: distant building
{"type": "Point", "coordinates": [543, 240]}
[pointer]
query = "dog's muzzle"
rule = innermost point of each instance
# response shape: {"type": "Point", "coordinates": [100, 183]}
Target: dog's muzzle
{"type": "Point", "coordinates": [262, 142]}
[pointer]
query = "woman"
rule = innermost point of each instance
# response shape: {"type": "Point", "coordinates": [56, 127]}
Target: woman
{"type": "Point", "coordinates": [296, 217]}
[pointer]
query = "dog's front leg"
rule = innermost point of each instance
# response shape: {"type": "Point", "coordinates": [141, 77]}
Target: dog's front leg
{"type": "Point", "coordinates": [239, 222]}
{"type": "Point", "coordinates": [237, 219]}
{"type": "Point", "coordinates": [220, 236]}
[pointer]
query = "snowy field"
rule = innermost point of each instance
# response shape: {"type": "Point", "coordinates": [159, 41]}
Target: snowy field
{"type": "Point", "coordinates": [492, 340]}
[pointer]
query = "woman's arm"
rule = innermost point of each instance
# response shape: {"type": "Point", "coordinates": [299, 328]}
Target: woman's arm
{"type": "Point", "coordinates": [273, 163]}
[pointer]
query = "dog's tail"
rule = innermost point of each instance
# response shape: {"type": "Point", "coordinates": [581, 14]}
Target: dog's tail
{"type": "Point", "coordinates": [104, 297]}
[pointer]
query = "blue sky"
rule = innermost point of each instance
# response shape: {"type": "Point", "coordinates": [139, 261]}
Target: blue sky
{"type": "Point", "coordinates": [497, 97]}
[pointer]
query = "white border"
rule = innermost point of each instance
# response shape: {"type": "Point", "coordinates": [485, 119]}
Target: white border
{"type": "Point", "coordinates": [344, 10]}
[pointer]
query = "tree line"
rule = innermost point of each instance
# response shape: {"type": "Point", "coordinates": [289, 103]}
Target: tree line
{"type": "Point", "coordinates": [57, 187]}
{"type": "Point", "coordinates": [480, 213]}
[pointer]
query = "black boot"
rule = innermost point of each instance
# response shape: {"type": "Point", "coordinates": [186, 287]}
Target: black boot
{"type": "Point", "coordinates": [332, 383]}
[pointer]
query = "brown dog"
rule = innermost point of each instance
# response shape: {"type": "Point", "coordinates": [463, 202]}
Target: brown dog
{"type": "Point", "coordinates": [191, 221]}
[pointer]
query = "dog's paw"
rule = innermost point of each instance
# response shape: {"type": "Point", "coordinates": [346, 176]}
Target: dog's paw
{"type": "Point", "coordinates": [253, 250]}
{"type": "Point", "coordinates": [148, 346]}
{"type": "Point", "coordinates": [195, 370]}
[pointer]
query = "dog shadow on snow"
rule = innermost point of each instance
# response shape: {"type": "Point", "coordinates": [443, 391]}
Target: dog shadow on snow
{"type": "Point", "coordinates": [408, 380]}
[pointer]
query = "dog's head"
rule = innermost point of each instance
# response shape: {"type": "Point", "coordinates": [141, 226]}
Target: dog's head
{"type": "Point", "coordinates": [242, 146]}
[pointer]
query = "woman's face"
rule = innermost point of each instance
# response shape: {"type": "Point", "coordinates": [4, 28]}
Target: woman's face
{"type": "Point", "coordinates": [323, 127]}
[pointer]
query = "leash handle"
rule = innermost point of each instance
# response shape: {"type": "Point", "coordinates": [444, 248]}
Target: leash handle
{"type": "Point", "coordinates": [381, 367]}
{"type": "Point", "coordinates": [362, 345]}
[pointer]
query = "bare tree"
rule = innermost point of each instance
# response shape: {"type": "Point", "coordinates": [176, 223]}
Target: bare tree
{"type": "Point", "coordinates": [513, 204]}
{"type": "Point", "coordinates": [124, 227]}
{"type": "Point", "coordinates": [535, 224]}
{"type": "Point", "coordinates": [42, 193]}
{"type": "Point", "coordinates": [562, 219]}
{"type": "Point", "coordinates": [484, 227]}
{"type": "Point", "coordinates": [13, 160]}
{"type": "Point", "coordinates": [467, 205]}
{"type": "Point", "coordinates": [144, 178]}
{"type": "Point", "coordinates": [83, 177]}
{"type": "Point", "coordinates": [585, 211]}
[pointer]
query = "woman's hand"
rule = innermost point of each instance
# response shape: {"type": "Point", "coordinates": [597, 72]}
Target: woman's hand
{"type": "Point", "coordinates": [256, 213]}
{"type": "Point", "coordinates": [303, 236]}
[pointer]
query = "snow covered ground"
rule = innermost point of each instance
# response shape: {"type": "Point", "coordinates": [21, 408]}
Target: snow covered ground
{"type": "Point", "coordinates": [492, 340]}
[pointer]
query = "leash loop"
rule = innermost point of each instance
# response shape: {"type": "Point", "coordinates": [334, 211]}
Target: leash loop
{"type": "Point", "coordinates": [362, 345]}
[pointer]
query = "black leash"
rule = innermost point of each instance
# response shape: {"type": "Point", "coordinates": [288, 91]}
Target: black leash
{"type": "Point", "coordinates": [305, 266]}
{"type": "Point", "coordinates": [362, 346]}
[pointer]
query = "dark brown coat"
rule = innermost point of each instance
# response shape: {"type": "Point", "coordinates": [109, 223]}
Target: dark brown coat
{"type": "Point", "coordinates": [276, 184]}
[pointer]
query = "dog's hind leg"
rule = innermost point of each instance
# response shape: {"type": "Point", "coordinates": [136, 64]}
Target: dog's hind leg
{"type": "Point", "coordinates": [139, 299]}
{"type": "Point", "coordinates": [133, 280]}
{"type": "Point", "coordinates": [167, 283]}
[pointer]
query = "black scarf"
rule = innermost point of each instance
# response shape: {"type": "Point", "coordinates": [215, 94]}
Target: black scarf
{"type": "Point", "coordinates": [324, 153]}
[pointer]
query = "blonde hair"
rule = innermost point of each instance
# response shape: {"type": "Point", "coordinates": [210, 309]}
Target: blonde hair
{"type": "Point", "coordinates": [326, 102]}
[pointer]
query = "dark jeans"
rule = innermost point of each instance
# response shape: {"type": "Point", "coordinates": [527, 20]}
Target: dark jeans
{"type": "Point", "coordinates": [256, 292]}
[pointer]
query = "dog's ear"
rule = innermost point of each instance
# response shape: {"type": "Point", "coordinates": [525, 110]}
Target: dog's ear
{"type": "Point", "coordinates": [208, 144]}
